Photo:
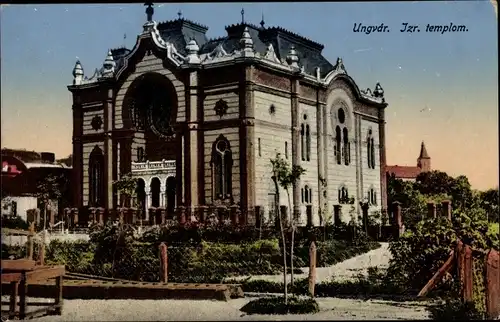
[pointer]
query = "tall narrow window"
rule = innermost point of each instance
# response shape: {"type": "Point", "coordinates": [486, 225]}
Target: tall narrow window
{"type": "Point", "coordinates": [369, 153]}
{"type": "Point", "coordinates": [308, 143]}
{"type": "Point", "coordinates": [286, 150]}
{"type": "Point", "coordinates": [343, 195]}
{"type": "Point", "coordinates": [140, 154]}
{"type": "Point", "coordinates": [96, 178]}
{"type": "Point", "coordinates": [260, 149]}
{"type": "Point", "coordinates": [222, 163]}
{"type": "Point", "coordinates": [372, 152]}
{"type": "Point", "coordinates": [347, 152]}
{"type": "Point", "coordinates": [302, 142]}
{"type": "Point", "coordinates": [306, 191]}
{"type": "Point", "coordinates": [338, 141]}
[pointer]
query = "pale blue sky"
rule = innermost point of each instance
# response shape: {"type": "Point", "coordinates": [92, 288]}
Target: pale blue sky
{"type": "Point", "coordinates": [453, 74]}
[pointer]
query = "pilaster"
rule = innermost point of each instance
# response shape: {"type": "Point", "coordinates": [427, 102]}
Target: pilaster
{"type": "Point", "coordinates": [77, 173]}
{"type": "Point", "coordinates": [295, 143]}
{"type": "Point", "coordinates": [383, 161]}
{"type": "Point", "coordinates": [108, 150]}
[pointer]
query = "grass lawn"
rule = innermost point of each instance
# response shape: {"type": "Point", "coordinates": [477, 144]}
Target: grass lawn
{"type": "Point", "coordinates": [494, 227]}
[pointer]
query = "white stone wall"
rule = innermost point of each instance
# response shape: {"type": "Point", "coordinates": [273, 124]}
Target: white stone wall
{"type": "Point", "coordinates": [23, 204]}
{"type": "Point", "coordinates": [150, 64]}
{"type": "Point", "coordinates": [273, 130]}
{"type": "Point", "coordinates": [371, 177]}
{"type": "Point", "coordinates": [340, 174]}
{"type": "Point", "coordinates": [87, 149]}
{"type": "Point", "coordinates": [232, 135]}
{"type": "Point", "coordinates": [310, 177]}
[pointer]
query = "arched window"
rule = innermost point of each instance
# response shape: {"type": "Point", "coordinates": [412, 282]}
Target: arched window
{"type": "Point", "coordinates": [369, 149]}
{"type": "Point", "coordinates": [308, 143]}
{"type": "Point", "coordinates": [372, 151]}
{"type": "Point", "coordinates": [286, 150]}
{"type": "Point", "coordinates": [140, 154]}
{"type": "Point", "coordinates": [222, 162]}
{"type": "Point", "coordinates": [302, 142]}
{"type": "Point", "coordinates": [343, 195]}
{"type": "Point", "coordinates": [338, 141]}
{"type": "Point", "coordinates": [372, 196]}
{"type": "Point", "coordinates": [96, 178]}
{"type": "Point", "coordinates": [306, 195]}
{"type": "Point", "coordinates": [347, 150]}
{"type": "Point", "coordinates": [302, 194]}
{"type": "Point", "coordinates": [260, 149]}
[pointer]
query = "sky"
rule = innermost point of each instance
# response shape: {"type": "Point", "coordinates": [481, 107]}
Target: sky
{"type": "Point", "coordinates": [441, 88]}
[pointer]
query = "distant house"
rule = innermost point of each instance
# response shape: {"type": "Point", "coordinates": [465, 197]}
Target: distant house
{"type": "Point", "coordinates": [21, 172]}
{"type": "Point", "coordinates": [410, 173]}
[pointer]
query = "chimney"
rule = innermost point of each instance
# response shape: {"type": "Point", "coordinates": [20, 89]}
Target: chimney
{"type": "Point", "coordinates": [48, 157]}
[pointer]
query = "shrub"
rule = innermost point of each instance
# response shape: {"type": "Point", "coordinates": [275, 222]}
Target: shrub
{"type": "Point", "coordinates": [276, 305]}
{"type": "Point", "coordinates": [421, 251]}
{"type": "Point", "coordinates": [14, 222]}
{"type": "Point", "coordinates": [455, 310]}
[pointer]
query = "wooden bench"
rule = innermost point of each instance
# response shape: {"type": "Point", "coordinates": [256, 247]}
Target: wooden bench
{"type": "Point", "coordinates": [22, 272]}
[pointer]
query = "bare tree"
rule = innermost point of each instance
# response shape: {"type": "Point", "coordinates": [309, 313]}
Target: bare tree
{"type": "Point", "coordinates": [286, 177]}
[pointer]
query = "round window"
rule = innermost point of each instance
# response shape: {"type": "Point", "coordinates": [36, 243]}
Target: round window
{"type": "Point", "coordinates": [221, 146]}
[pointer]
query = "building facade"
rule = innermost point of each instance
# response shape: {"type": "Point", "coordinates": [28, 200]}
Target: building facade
{"type": "Point", "coordinates": [198, 120]}
{"type": "Point", "coordinates": [22, 172]}
{"type": "Point", "coordinates": [410, 173]}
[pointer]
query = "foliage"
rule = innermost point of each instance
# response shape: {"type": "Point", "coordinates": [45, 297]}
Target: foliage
{"type": "Point", "coordinates": [50, 188]}
{"type": "Point", "coordinates": [489, 202]}
{"type": "Point", "coordinates": [126, 185]}
{"type": "Point", "coordinates": [14, 223]}
{"type": "Point", "coordinates": [280, 305]}
{"type": "Point", "coordinates": [420, 252]}
{"type": "Point", "coordinates": [455, 310]}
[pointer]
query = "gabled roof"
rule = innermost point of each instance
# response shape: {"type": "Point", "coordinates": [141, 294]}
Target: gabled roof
{"type": "Point", "coordinates": [403, 172]}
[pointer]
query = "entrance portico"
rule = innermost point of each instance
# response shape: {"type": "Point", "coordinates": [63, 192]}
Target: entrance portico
{"type": "Point", "coordinates": [155, 185]}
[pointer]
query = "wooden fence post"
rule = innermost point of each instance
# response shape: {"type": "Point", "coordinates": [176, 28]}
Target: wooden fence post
{"type": "Point", "coordinates": [163, 263]}
{"type": "Point", "coordinates": [312, 268]}
{"type": "Point", "coordinates": [41, 253]}
{"type": "Point", "coordinates": [492, 282]}
{"type": "Point", "coordinates": [30, 240]}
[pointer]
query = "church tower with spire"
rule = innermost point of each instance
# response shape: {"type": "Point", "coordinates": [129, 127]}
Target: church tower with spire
{"type": "Point", "coordinates": [424, 160]}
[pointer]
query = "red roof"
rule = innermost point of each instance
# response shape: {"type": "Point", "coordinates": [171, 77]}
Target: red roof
{"type": "Point", "coordinates": [404, 172]}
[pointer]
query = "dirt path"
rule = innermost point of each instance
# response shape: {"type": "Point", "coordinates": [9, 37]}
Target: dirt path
{"type": "Point", "coordinates": [189, 310]}
{"type": "Point", "coordinates": [345, 270]}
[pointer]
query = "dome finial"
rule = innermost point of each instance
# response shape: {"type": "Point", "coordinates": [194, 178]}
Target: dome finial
{"type": "Point", "coordinates": [242, 15]}
{"type": "Point", "coordinates": [149, 11]}
{"type": "Point", "coordinates": [179, 13]}
{"type": "Point", "coordinates": [262, 22]}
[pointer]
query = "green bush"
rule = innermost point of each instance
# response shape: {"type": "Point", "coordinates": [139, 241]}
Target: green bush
{"type": "Point", "coordinates": [276, 305]}
{"type": "Point", "coordinates": [455, 310]}
{"type": "Point", "coordinates": [421, 251]}
{"type": "Point", "coordinates": [14, 223]}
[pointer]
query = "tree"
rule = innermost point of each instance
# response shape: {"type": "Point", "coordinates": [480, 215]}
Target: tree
{"type": "Point", "coordinates": [126, 186]}
{"type": "Point", "coordinates": [286, 176]}
{"type": "Point", "coordinates": [489, 202]}
{"type": "Point", "coordinates": [50, 188]}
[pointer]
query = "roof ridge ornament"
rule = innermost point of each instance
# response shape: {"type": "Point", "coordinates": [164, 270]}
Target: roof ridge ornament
{"type": "Point", "coordinates": [242, 15]}
{"type": "Point", "coordinates": [192, 50]}
{"type": "Point", "coordinates": [108, 66]}
{"type": "Point", "coordinates": [78, 73]}
{"type": "Point", "coordinates": [339, 66]}
{"type": "Point", "coordinates": [271, 54]}
{"type": "Point", "coordinates": [148, 26]}
{"type": "Point", "coordinates": [378, 92]}
{"type": "Point", "coordinates": [246, 40]}
{"type": "Point", "coordinates": [262, 22]}
{"type": "Point", "coordinates": [292, 58]}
